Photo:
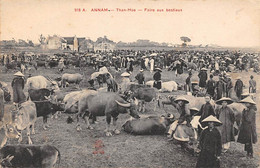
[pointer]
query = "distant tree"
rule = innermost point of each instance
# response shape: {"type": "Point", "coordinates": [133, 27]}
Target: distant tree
{"type": "Point", "coordinates": [42, 39]}
{"type": "Point", "coordinates": [30, 43]}
{"type": "Point", "coordinates": [185, 40]}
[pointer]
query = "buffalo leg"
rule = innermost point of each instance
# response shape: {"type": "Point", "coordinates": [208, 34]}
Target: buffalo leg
{"type": "Point", "coordinates": [108, 119]}
{"type": "Point", "coordinates": [4, 140]}
{"type": "Point", "coordinates": [33, 131]}
{"type": "Point", "coordinates": [116, 130]}
{"type": "Point", "coordinates": [28, 135]}
{"type": "Point", "coordinates": [45, 126]}
{"type": "Point", "coordinates": [86, 119]}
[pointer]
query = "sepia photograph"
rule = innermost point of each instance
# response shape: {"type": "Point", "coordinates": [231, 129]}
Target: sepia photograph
{"type": "Point", "coordinates": [129, 83]}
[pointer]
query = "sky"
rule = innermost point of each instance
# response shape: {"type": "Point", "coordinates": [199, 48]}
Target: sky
{"type": "Point", "coordinates": [231, 23]}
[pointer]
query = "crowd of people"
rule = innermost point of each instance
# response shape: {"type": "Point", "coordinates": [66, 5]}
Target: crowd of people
{"type": "Point", "coordinates": [217, 124]}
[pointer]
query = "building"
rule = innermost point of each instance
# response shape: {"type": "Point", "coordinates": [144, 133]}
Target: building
{"type": "Point", "coordinates": [64, 43]}
{"type": "Point", "coordinates": [54, 42]}
{"type": "Point", "coordinates": [104, 44]}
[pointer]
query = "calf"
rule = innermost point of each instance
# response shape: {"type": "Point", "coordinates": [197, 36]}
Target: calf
{"type": "Point", "coordinates": [19, 119]}
{"type": "Point", "coordinates": [44, 156]}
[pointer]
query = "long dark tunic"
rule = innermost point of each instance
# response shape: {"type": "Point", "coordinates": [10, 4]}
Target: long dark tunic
{"type": "Point", "coordinates": [205, 111]}
{"type": "Point", "coordinates": [210, 144]}
{"type": "Point", "coordinates": [18, 94]}
{"type": "Point", "coordinates": [239, 88]}
{"type": "Point", "coordinates": [157, 83]}
{"type": "Point", "coordinates": [247, 133]}
{"type": "Point", "coordinates": [203, 78]}
{"type": "Point", "coordinates": [140, 78]}
{"type": "Point", "coordinates": [220, 88]}
{"type": "Point", "coordinates": [211, 87]}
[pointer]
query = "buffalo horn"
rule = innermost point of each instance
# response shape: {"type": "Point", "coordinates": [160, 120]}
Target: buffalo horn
{"type": "Point", "coordinates": [122, 104]}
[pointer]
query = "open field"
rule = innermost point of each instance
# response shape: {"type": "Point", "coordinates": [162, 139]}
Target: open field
{"type": "Point", "coordinates": [126, 150]}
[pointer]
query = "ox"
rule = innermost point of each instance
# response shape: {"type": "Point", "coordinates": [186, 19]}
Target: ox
{"type": "Point", "coordinates": [166, 86]}
{"type": "Point", "coordinates": [107, 104]}
{"type": "Point", "coordinates": [71, 78]}
{"type": "Point", "coordinates": [71, 100]}
{"type": "Point", "coordinates": [38, 82]}
{"type": "Point", "coordinates": [152, 125]}
{"type": "Point", "coordinates": [142, 94]}
{"type": "Point", "coordinates": [44, 156]}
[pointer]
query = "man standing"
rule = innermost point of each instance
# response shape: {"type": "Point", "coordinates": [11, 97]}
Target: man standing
{"type": "Point", "coordinates": [220, 88]}
{"type": "Point", "coordinates": [140, 77]}
{"type": "Point", "coordinates": [247, 134]}
{"type": "Point", "coordinates": [205, 111]}
{"type": "Point", "coordinates": [18, 86]}
{"type": "Point", "coordinates": [211, 86]}
{"type": "Point", "coordinates": [157, 79]}
{"type": "Point", "coordinates": [252, 85]}
{"type": "Point", "coordinates": [239, 87]}
{"type": "Point", "coordinates": [226, 115]}
{"type": "Point", "coordinates": [229, 86]}
{"type": "Point", "coordinates": [152, 65]}
{"type": "Point", "coordinates": [203, 77]}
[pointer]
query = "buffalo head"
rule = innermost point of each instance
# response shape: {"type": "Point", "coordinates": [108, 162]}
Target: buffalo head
{"type": "Point", "coordinates": [131, 107]}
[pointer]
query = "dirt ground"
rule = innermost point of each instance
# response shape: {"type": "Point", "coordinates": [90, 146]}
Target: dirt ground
{"type": "Point", "coordinates": [78, 148]}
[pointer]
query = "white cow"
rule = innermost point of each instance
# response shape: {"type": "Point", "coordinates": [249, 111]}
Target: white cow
{"type": "Point", "coordinates": [39, 82]}
{"type": "Point", "coordinates": [168, 86]}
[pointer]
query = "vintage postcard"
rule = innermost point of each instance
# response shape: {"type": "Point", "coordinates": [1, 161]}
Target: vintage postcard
{"type": "Point", "coordinates": [120, 83]}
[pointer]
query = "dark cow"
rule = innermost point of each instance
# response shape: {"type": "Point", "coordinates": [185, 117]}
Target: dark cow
{"type": "Point", "coordinates": [44, 107]}
{"type": "Point", "coordinates": [152, 125]}
{"type": "Point", "coordinates": [40, 63]}
{"type": "Point", "coordinates": [39, 94]}
{"type": "Point", "coordinates": [107, 104]}
{"type": "Point", "coordinates": [53, 63]}
{"type": "Point", "coordinates": [44, 156]}
{"type": "Point", "coordinates": [143, 94]}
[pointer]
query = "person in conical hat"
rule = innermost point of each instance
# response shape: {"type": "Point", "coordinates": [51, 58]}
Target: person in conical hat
{"type": "Point", "coordinates": [210, 144]}
{"type": "Point", "coordinates": [19, 74]}
{"type": "Point", "coordinates": [18, 86]}
{"type": "Point", "coordinates": [247, 130]}
{"type": "Point", "coordinates": [226, 115]}
{"type": "Point", "coordinates": [140, 77]}
{"type": "Point", "coordinates": [180, 103]}
{"type": "Point", "coordinates": [206, 110]}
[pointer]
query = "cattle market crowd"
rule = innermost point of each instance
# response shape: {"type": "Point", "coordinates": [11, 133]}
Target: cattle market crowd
{"type": "Point", "coordinates": [212, 111]}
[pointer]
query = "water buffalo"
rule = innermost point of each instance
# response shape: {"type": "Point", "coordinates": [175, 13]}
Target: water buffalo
{"type": "Point", "coordinates": [71, 78]}
{"type": "Point", "coordinates": [44, 156]}
{"type": "Point", "coordinates": [152, 125]}
{"type": "Point", "coordinates": [143, 94]}
{"type": "Point", "coordinates": [107, 104]}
